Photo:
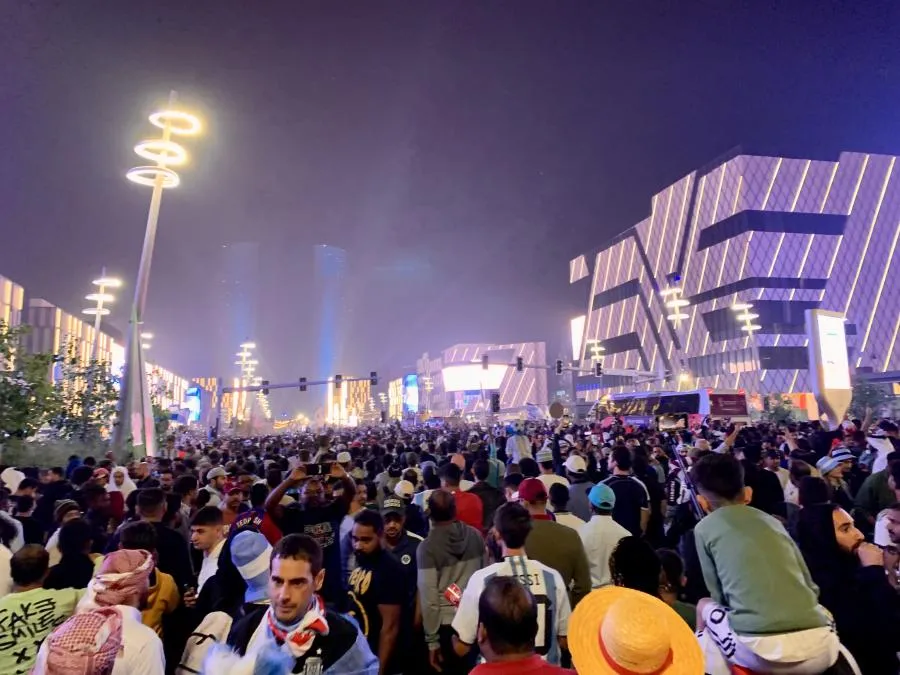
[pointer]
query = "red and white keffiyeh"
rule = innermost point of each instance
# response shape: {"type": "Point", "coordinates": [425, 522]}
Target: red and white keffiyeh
{"type": "Point", "coordinates": [300, 637]}
{"type": "Point", "coordinates": [86, 644]}
{"type": "Point", "coordinates": [122, 575]}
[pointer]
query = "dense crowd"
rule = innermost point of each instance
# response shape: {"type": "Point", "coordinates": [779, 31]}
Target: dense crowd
{"type": "Point", "coordinates": [539, 548]}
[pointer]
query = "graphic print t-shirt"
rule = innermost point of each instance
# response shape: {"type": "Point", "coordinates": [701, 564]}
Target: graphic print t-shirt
{"type": "Point", "coordinates": [26, 619]}
{"type": "Point", "coordinates": [377, 580]}
{"type": "Point", "coordinates": [322, 523]}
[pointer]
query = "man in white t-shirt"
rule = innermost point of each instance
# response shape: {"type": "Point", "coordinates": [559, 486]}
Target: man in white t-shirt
{"type": "Point", "coordinates": [548, 476]}
{"type": "Point", "coordinates": [513, 525]}
{"type": "Point", "coordinates": [208, 536]}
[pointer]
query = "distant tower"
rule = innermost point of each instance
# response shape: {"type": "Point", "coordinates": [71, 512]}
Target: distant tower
{"type": "Point", "coordinates": [330, 285]}
{"type": "Point", "coordinates": [237, 301]}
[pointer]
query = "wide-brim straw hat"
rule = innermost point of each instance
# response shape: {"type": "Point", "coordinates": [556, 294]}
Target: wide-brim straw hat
{"type": "Point", "coordinates": [620, 631]}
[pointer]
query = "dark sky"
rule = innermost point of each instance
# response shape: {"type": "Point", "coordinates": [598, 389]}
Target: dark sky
{"type": "Point", "coordinates": [460, 150]}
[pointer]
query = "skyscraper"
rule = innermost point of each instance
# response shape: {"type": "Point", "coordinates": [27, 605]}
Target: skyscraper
{"type": "Point", "coordinates": [331, 311]}
{"type": "Point", "coordinates": [236, 303]}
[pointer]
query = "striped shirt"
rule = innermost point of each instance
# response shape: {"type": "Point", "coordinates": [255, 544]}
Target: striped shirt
{"type": "Point", "coordinates": [548, 589]}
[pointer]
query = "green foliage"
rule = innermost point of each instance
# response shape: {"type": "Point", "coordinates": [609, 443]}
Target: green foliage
{"type": "Point", "coordinates": [87, 396]}
{"type": "Point", "coordinates": [27, 399]}
{"type": "Point", "coordinates": [868, 395]}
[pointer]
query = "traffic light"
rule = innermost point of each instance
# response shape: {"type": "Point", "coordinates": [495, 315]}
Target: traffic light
{"type": "Point", "coordinates": [265, 386]}
{"type": "Point", "coordinates": [302, 384]}
{"type": "Point", "coordinates": [520, 364]}
{"type": "Point", "coordinates": [373, 378]}
{"type": "Point", "coordinates": [559, 366]}
{"type": "Point", "coordinates": [495, 402]}
{"type": "Point", "coordinates": [337, 381]}
{"type": "Point", "coordinates": [384, 416]}
{"type": "Point", "coordinates": [598, 369]}
{"type": "Point", "coordinates": [484, 361]}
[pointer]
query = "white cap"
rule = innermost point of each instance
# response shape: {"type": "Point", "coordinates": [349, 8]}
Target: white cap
{"type": "Point", "coordinates": [576, 464]}
{"type": "Point", "coordinates": [344, 457]}
{"type": "Point", "coordinates": [404, 489]}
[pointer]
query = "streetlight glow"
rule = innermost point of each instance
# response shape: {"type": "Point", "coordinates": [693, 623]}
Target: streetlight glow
{"type": "Point", "coordinates": [146, 336]}
{"type": "Point", "coordinates": [95, 311]}
{"type": "Point", "coordinates": [161, 152]}
{"type": "Point", "coordinates": [248, 345]}
{"type": "Point", "coordinates": [108, 282]}
{"type": "Point", "coordinates": [176, 122]}
{"type": "Point", "coordinates": [100, 297]}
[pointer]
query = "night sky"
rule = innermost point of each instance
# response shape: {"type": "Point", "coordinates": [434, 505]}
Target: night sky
{"type": "Point", "coordinates": [461, 151]}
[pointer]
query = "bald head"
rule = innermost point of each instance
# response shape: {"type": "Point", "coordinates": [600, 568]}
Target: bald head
{"type": "Point", "coordinates": [29, 566]}
{"type": "Point", "coordinates": [507, 616]}
{"type": "Point", "coordinates": [442, 506]}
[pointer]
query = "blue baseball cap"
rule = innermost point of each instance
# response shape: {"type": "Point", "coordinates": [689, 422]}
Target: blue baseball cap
{"type": "Point", "coordinates": [602, 497]}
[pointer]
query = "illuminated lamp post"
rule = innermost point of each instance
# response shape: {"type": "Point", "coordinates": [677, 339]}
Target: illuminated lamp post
{"type": "Point", "coordinates": [135, 412]}
{"type": "Point", "coordinates": [98, 311]}
{"type": "Point", "coordinates": [749, 326]}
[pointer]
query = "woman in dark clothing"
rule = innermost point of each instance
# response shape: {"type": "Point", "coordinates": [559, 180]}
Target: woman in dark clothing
{"type": "Point", "coordinates": [76, 566]}
{"type": "Point", "coordinates": [853, 586]}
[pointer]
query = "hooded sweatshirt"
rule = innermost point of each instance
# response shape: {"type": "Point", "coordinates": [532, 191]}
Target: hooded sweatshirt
{"type": "Point", "coordinates": [450, 554]}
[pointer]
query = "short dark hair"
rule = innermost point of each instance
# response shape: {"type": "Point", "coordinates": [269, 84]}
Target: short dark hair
{"type": "Point", "coordinates": [813, 490]}
{"type": "Point", "coordinates": [369, 518]}
{"type": "Point", "coordinates": [74, 536]}
{"type": "Point", "coordinates": [28, 483]}
{"type": "Point", "coordinates": [442, 506]}
{"type": "Point", "coordinates": [672, 567]}
{"type": "Point", "coordinates": [150, 499]}
{"type": "Point", "coordinates": [634, 564]}
{"type": "Point", "coordinates": [481, 469]}
{"type": "Point", "coordinates": [185, 484]}
{"type": "Point", "coordinates": [29, 564]}
{"type": "Point", "coordinates": [299, 547]}
{"type": "Point", "coordinates": [450, 473]}
{"type": "Point", "coordinates": [529, 467]}
{"type": "Point", "coordinates": [81, 474]}
{"type": "Point", "coordinates": [513, 480]}
{"type": "Point", "coordinates": [621, 457]}
{"type": "Point", "coordinates": [718, 477]}
{"type": "Point", "coordinates": [508, 612]}
{"type": "Point", "coordinates": [92, 492]}
{"type": "Point", "coordinates": [752, 453]}
{"type": "Point", "coordinates": [513, 524]}
{"type": "Point", "coordinates": [138, 535]}
{"type": "Point", "coordinates": [258, 494]}
{"type": "Point", "coordinates": [58, 470]}
{"type": "Point", "coordinates": [24, 503]}
{"type": "Point", "coordinates": [208, 516]}
{"type": "Point", "coordinates": [559, 496]}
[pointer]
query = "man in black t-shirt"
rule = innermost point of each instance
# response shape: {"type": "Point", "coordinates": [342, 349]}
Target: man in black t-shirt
{"type": "Point", "coordinates": [319, 519]}
{"type": "Point", "coordinates": [377, 590]}
{"type": "Point", "coordinates": [632, 509]}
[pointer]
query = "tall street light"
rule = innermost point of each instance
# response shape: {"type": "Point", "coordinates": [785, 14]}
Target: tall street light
{"type": "Point", "coordinates": [136, 420]}
{"type": "Point", "coordinates": [98, 311]}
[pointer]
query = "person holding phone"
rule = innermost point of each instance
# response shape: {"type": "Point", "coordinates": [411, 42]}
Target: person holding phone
{"type": "Point", "coordinates": [318, 518]}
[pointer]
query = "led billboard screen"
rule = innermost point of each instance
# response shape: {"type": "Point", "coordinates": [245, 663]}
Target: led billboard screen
{"type": "Point", "coordinates": [472, 377]}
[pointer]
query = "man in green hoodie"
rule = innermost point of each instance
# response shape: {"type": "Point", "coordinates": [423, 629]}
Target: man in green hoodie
{"type": "Point", "coordinates": [451, 553]}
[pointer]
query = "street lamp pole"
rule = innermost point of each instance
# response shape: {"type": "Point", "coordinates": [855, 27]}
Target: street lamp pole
{"type": "Point", "coordinates": [136, 421]}
{"type": "Point", "coordinates": [100, 298]}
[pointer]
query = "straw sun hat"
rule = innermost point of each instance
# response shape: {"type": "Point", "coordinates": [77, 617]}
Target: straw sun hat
{"type": "Point", "coordinates": [620, 631]}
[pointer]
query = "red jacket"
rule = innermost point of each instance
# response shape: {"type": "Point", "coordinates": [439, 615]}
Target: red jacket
{"type": "Point", "coordinates": [469, 509]}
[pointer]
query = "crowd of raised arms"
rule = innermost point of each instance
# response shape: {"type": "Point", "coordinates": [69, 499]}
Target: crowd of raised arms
{"type": "Point", "coordinates": [534, 548]}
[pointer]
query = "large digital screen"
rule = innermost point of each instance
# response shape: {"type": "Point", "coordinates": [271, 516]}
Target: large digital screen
{"type": "Point", "coordinates": [411, 394]}
{"type": "Point", "coordinates": [193, 402]}
{"type": "Point", "coordinates": [833, 349]}
{"type": "Point", "coordinates": [472, 377]}
{"type": "Point", "coordinates": [577, 326]}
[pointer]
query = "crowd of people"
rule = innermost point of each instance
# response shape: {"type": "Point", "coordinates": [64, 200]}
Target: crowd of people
{"type": "Point", "coordinates": [539, 548]}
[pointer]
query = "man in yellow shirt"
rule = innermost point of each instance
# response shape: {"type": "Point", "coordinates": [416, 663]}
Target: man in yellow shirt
{"type": "Point", "coordinates": [164, 596]}
{"type": "Point", "coordinates": [30, 612]}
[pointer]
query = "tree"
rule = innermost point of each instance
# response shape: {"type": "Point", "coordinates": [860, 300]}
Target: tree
{"type": "Point", "coordinates": [87, 395]}
{"type": "Point", "coordinates": [27, 398]}
{"type": "Point", "coordinates": [867, 395]}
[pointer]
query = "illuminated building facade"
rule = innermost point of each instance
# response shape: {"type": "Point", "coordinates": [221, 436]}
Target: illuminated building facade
{"type": "Point", "coordinates": [455, 382]}
{"type": "Point", "coordinates": [12, 300]}
{"type": "Point", "coordinates": [395, 399]}
{"type": "Point", "coordinates": [54, 331]}
{"type": "Point", "coordinates": [780, 234]}
{"type": "Point", "coordinates": [330, 313]}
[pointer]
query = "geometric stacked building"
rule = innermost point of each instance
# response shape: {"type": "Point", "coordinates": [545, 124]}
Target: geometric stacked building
{"type": "Point", "coordinates": [772, 235]}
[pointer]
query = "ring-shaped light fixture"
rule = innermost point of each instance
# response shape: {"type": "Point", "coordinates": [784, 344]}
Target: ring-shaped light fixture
{"type": "Point", "coordinates": [678, 302]}
{"type": "Point", "coordinates": [93, 311]}
{"type": "Point", "coordinates": [750, 327]}
{"type": "Point", "coordinates": [179, 123]}
{"type": "Point", "coordinates": [741, 306]}
{"type": "Point", "coordinates": [680, 316]}
{"type": "Point", "coordinates": [162, 152]}
{"type": "Point", "coordinates": [748, 316]}
{"type": "Point", "coordinates": [146, 175]}
{"type": "Point", "coordinates": [100, 297]}
{"type": "Point", "coordinates": [109, 282]}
